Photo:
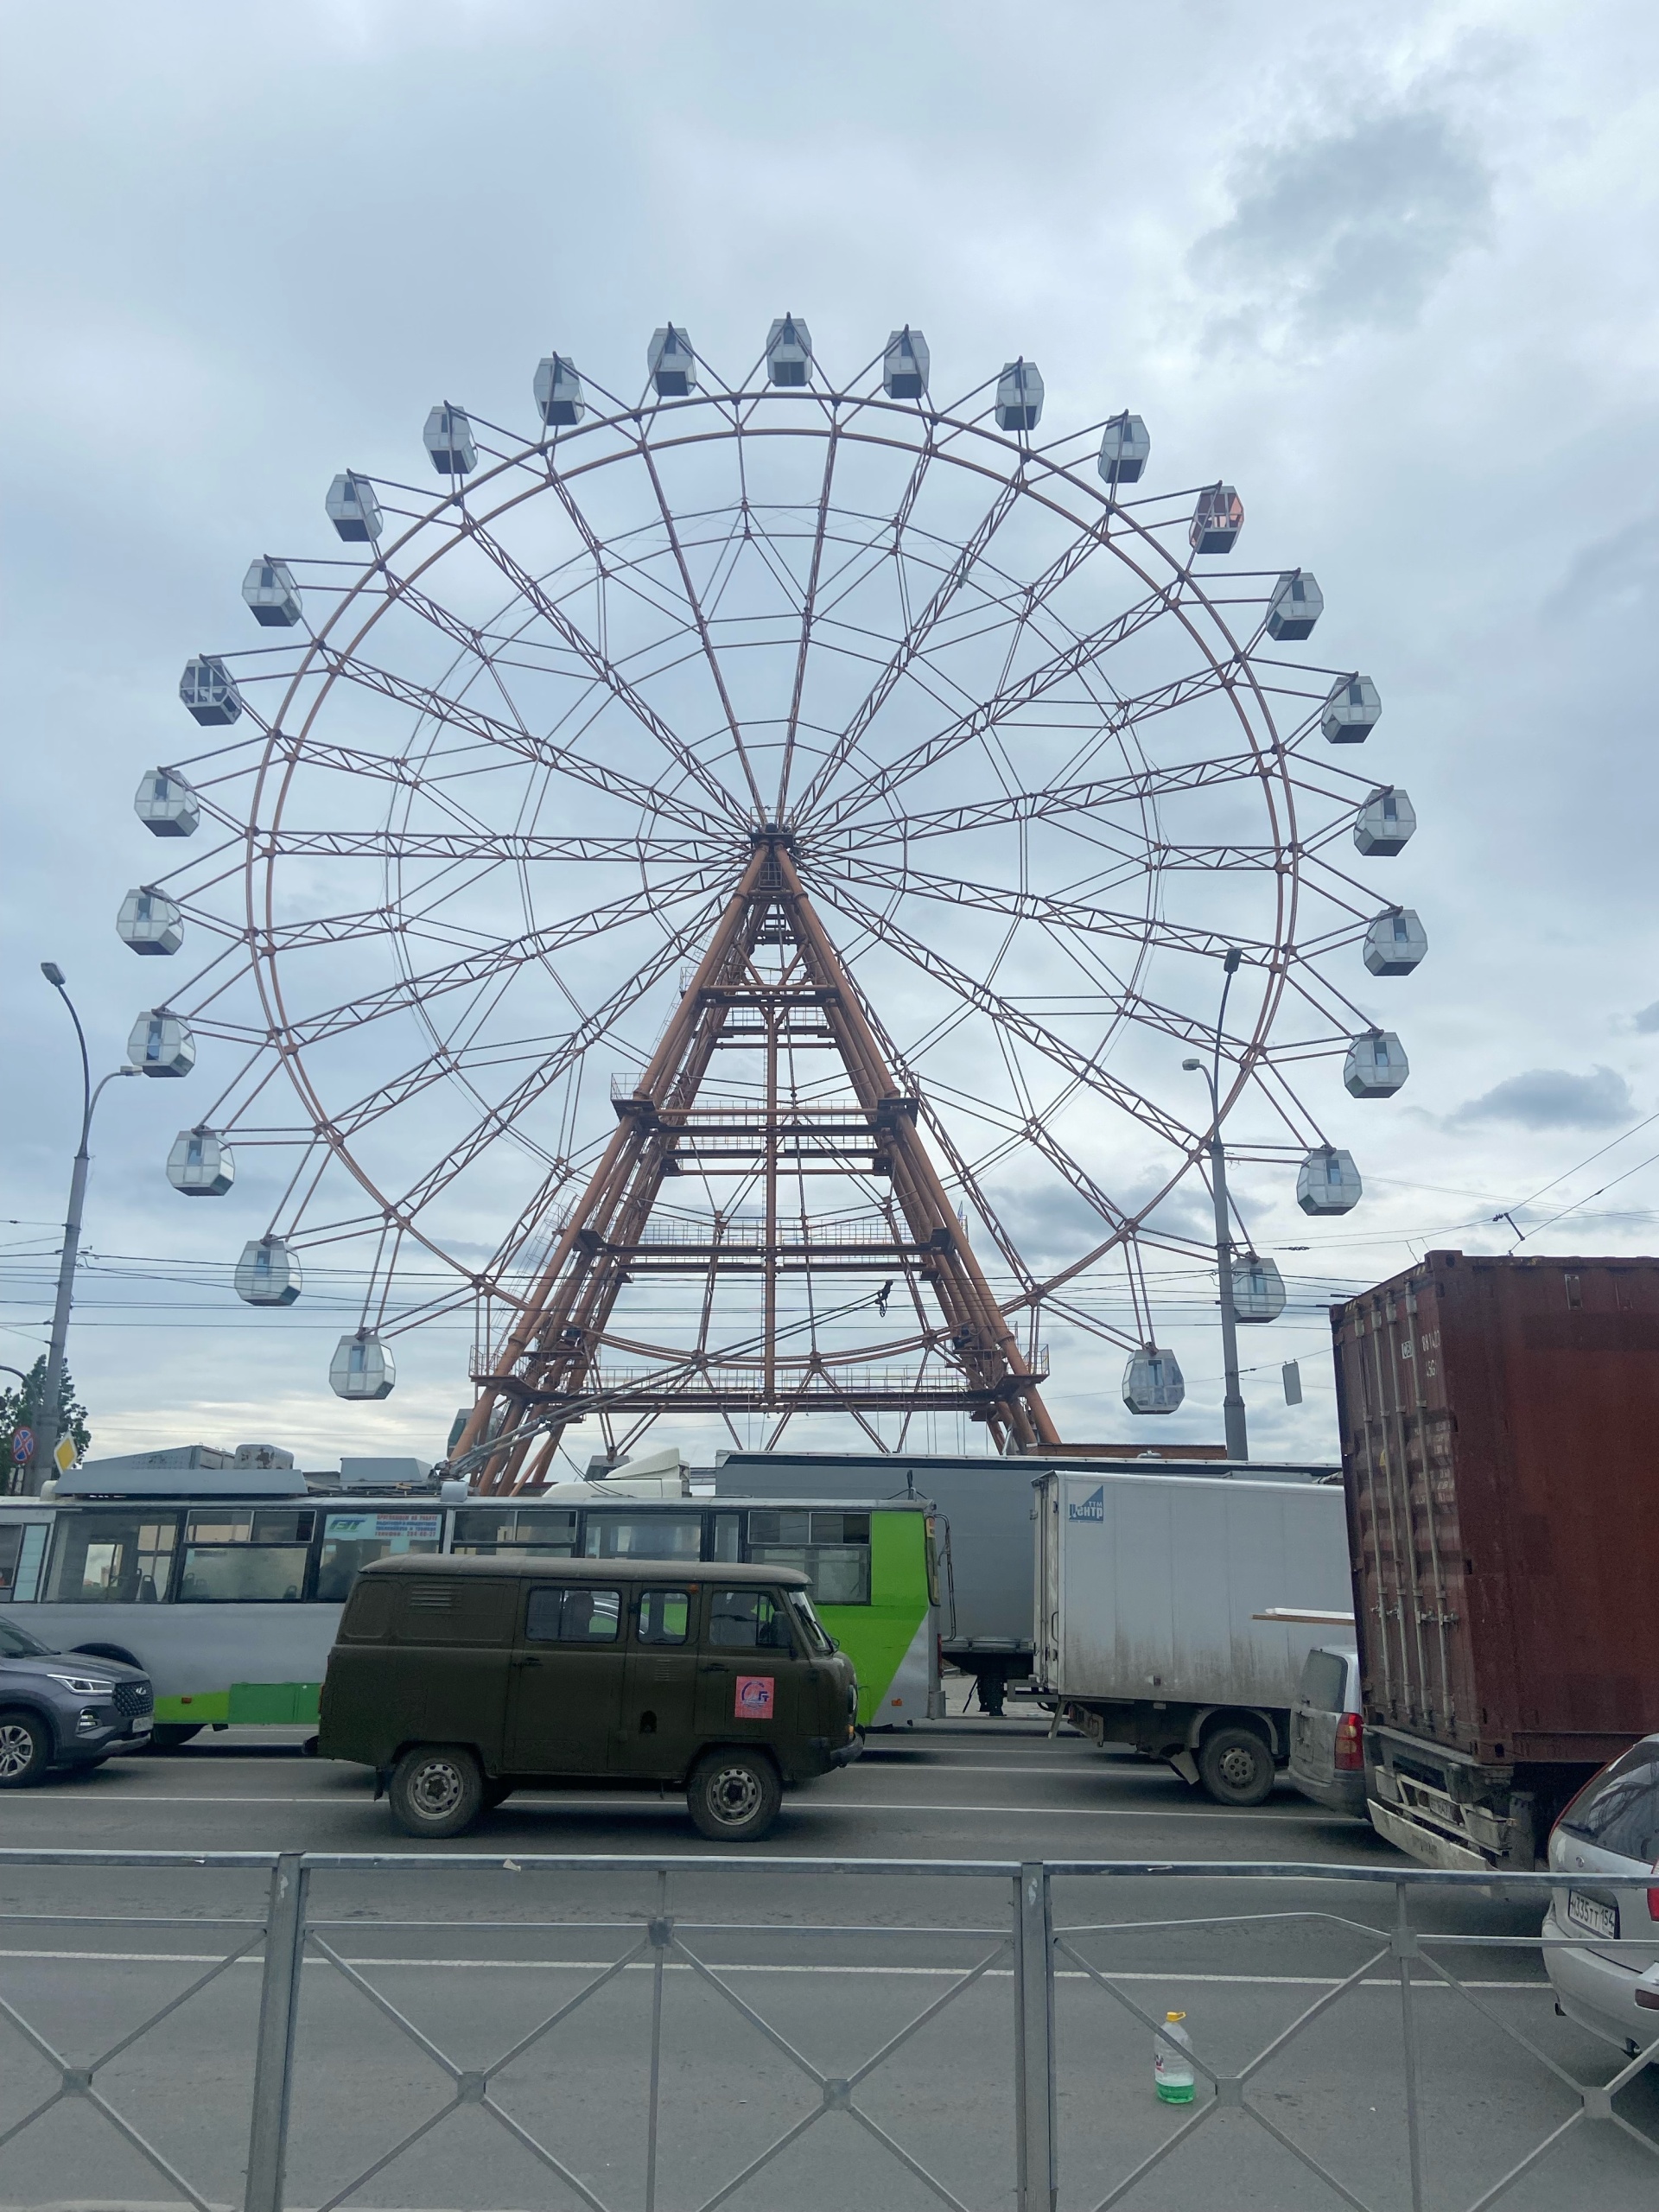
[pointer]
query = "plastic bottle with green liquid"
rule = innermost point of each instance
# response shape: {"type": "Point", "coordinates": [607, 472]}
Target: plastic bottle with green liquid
{"type": "Point", "coordinates": [1172, 2061]}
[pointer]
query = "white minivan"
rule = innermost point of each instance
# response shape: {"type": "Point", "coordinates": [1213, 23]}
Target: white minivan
{"type": "Point", "coordinates": [1327, 1731]}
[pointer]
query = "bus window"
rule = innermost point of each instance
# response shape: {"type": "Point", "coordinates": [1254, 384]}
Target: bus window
{"type": "Point", "coordinates": [21, 1547]}
{"type": "Point", "coordinates": [644, 1535]}
{"type": "Point", "coordinates": [728, 1533]}
{"type": "Point", "coordinates": [351, 1539]}
{"type": "Point", "coordinates": [116, 1558]}
{"type": "Point", "coordinates": [832, 1548]}
{"type": "Point", "coordinates": [531, 1532]}
{"type": "Point", "coordinates": [246, 1557]}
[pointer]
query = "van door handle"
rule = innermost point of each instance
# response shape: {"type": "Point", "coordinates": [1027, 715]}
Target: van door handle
{"type": "Point", "coordinates": [528, 1659]}
{"type": "Point", "coordinates": [714, 1667]}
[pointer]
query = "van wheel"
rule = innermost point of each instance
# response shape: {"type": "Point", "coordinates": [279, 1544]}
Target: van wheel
{"type": "Point", "coordinates": [1235, 1767]}
{"type": "Point", "coordinates": [436, 1790]}
{"type": "Point", "coordinates": [25, 1750]}
{"type": "Point", "coordinates": [733, 1796]}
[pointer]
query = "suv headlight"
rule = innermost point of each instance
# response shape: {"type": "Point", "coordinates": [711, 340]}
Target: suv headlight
{"type": "Point", "coordinates": [86, 1685]}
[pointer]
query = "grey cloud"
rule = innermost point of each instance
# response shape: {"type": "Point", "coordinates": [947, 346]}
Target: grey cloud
{"type": "Point", "coordinates": [1554, 1098]}
{"type": "Point", "coordinates": [1347, 231]}
{"type": "Point", "coordinates": [1648, 1020]}
{"type": "Point", "coordinates": [1615, 575]}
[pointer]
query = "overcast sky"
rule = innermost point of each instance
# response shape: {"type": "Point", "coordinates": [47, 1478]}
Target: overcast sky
{"type": "Point", "coordinates": [1391, 271]}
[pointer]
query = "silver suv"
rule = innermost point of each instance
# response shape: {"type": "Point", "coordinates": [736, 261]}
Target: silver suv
{"type": "Point", "coordinates": [1606, 1975]}
{"type": "Point", "coordinates": [65, 1708]}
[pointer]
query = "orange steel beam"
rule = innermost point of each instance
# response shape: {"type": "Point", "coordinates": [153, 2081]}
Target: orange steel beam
{"type": "Point", "coordinates": [553, 1346]}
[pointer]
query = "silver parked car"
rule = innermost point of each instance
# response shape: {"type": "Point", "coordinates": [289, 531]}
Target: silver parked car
{"type": "Point", "coordinates": [1607, 1976]}
{"type": "Point", "coordinates": [1328, 1731]}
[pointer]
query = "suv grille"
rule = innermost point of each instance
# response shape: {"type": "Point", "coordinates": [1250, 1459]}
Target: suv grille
{"type": "Point", "coordinates": [133, 1699]}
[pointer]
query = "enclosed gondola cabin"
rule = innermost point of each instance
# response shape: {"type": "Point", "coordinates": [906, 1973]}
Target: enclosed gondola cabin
{"type": "Point", "coordinates": [161, 1045]}
{"type": "Point", "coordinates": [1216, 520]}
{"type": "Point", "coordinates": [267, 1273]}
{"type": "Point", "coordinates": [353, 509]}
{"type": "Point", "coordinates": [1328, 1182]}
{"type": "Point", "coordinates": [1295, 606]}
{"type": "Point", "coordinates": [904, 365]}
{"type": "Point", "coordinates": [670, 364]}
{"type": "Point", "coordinates": [1020, 397]}
{"type": "Point", "coordinates": [1384, 823]}
{"type": "Point", "coordinates": [1375, 1065]}
{"type": "Point", "coordinates": [1352, 712]}
{"type": "Point", "coordinates": [272, 595]}
{"type": "Point", "coordinates": [1395, 942]}
{"type": "Point", "coordinates": [362, 1367]}
{"type": "Point", "coordinates": [166, 805]}
{"type": "Point", "coordinates": [448, 438]}
{"type": "Point", "coordinates": [788, 352]}
{"type": "Point", "coordinates": [149, 923]}
{"type": "Point", "coordinates": [1152, 1381]}
{"type": "Point", "coordinates": [200, 1164]}
{"type": "Point", "coordinates": [558, 392]}
{"type": "Point", "coordinates": [1258, 1290]}
{"type": "Point", "coordinates": [1125, 449]}
{"type": "Point", "coordinates": [209, 692]}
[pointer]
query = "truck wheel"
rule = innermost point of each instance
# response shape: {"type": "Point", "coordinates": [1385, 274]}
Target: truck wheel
{"type": "Point", "coordinates": [1235, 1767]}
{"type": "Point", "coordinates": [436, 1790]}
{"type": "Point", "coordinates": [25, 1750]}
{"type": "Point", "coordinates": [733, 1796]}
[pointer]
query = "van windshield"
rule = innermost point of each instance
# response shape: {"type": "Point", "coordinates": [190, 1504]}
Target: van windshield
{"type": "Point", "coordinates": [819, 1641]}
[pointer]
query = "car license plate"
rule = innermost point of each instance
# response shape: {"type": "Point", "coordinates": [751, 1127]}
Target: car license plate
{"type": "Point", "coordinates": [1591, 1914]}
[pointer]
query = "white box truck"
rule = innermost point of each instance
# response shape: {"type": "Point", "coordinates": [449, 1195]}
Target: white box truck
{"type": "Point", "coordinates": [1148, 1592]}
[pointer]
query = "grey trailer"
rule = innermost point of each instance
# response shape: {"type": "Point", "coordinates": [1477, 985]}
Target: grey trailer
{"type": "Point", "coordinates": [1151, 1594]}
{"type": "Point", "coordinates": [988, 1507]}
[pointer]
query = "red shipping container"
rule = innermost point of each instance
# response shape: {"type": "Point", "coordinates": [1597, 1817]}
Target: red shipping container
{"type": "Point", "coordinates": [1500, 1453]}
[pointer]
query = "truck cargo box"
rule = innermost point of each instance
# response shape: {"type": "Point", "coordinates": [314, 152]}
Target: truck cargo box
{"type": "Point", "coordinates": [1499, 1422]}
{"type": "Point", "coordinates": [1149, 1587]}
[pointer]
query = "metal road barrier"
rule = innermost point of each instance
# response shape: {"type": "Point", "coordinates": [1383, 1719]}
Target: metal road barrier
{"type": "Point", "coordinates": [1003, 2057]}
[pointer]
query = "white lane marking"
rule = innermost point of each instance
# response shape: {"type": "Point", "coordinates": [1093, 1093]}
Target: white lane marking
{"type": "Point", "coordinates": [1174, 1979]}
{"type": "Point", "coordinates": [628, 1801]}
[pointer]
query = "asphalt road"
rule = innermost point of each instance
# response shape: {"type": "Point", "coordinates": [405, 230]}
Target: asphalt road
{"type": "Point", "coordinates": [769, 1960]}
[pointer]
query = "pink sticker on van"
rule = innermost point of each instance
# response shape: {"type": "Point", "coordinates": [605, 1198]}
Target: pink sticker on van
{"type": "Point", "coordinates": [754, 1697]}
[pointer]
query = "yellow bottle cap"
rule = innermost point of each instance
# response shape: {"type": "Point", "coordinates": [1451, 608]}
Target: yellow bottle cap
{"type": "Point", "coordinates": [1174, 2016]}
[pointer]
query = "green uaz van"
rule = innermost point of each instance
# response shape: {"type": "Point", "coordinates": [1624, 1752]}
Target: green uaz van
{"type": "Point", "coordinates": [460, 1680]}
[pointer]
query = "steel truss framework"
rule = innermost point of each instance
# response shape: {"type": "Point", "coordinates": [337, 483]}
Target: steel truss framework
{"type": "Point", "coordinates": [582, 766]}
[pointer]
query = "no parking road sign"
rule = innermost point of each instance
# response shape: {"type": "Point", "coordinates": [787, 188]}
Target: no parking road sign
{"type": "Point", "coordinates": [22, 1445]}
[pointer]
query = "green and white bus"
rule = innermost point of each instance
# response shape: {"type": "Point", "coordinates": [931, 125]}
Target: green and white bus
{"type": "Point", "coordinates": [227, 1590]}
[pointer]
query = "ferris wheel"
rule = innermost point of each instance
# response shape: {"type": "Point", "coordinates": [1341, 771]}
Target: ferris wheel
{"type": "Point", "coordinates": [752, 841]}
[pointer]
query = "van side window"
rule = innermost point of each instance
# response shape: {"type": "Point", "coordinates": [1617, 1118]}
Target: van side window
{"type": "Point", "coordinates": [748, 1620]}
{"type": "Point", "coordinates": [576, 1615]}
{"type": "Point", "coordinates": [665, 1615]}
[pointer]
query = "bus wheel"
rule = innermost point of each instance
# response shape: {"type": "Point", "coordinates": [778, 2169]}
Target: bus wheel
{"type": "Point", "coordinates": [169, 1735]}
{"type": "Point", "coordinates": [733, 1797]}
{"type": "Point", "coordinates": [436, 1790]}
{"type": "Point", "coordinates": [25, 1749]}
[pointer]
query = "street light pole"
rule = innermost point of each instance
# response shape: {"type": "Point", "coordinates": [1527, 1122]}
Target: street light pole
{"type": "Point", "coordinates": [1232, 1403]}
{"type": "Point", "coordinates": [40, 1465]}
